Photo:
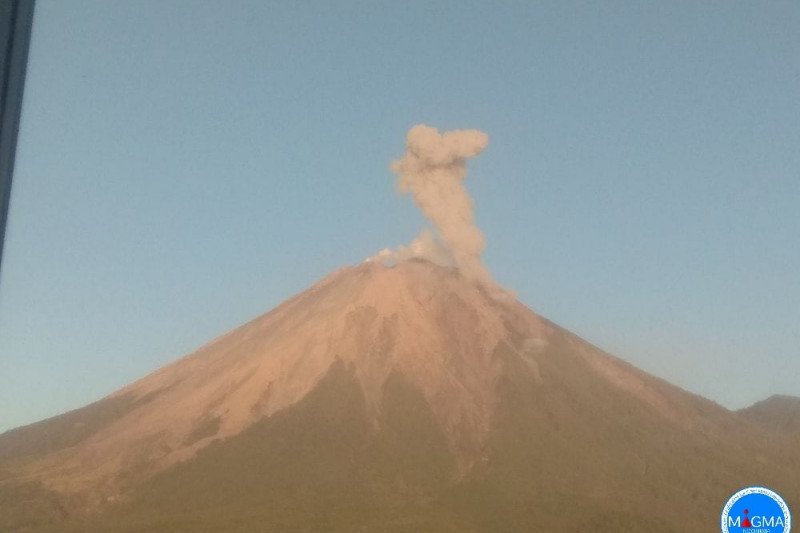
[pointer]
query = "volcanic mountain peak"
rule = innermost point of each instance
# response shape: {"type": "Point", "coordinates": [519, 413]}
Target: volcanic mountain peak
{"type": "Point", "coordinates": [445, 334]}
{"type": "Point", "coordinates": [409, 318]}
{"type": "Point", "coordinates": [376, 373]}
{"type": "Point", "coordinates": [450, 337]}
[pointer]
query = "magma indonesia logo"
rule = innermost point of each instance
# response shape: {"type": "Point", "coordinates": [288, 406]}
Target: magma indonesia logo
{"type": "Point", "coordinates": [756, 510]}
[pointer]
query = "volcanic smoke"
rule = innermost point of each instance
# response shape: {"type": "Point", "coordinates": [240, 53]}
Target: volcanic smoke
{"type": "Point", "coordinates": [432, 170]}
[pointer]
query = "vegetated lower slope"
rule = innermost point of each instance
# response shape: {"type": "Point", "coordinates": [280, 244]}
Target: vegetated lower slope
{"type": "Point", "coordinates": [26, 503]}
{"type": "Point", "coordinates": [393, 433]}
{"type": "Point", "coordinates": [552, 461]}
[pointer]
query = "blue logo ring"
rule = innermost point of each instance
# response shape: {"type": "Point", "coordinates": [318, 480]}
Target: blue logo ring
{"type": "Point", "coordinates": [756, 510]}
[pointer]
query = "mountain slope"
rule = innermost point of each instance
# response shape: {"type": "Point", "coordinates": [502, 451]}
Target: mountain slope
{"type": "Point", "coordinates": [391, 399]}
{"type": "Point", "coordinates": [777, 413]}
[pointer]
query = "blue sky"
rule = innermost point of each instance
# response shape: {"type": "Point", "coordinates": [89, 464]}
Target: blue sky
{"type": "Point", "coordinates": [185, 166]}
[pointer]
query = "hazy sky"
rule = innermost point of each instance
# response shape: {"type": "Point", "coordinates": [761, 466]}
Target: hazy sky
{"type": "Point", "coordinates": [185, 166]}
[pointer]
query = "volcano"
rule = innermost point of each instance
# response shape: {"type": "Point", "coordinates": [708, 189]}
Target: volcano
{"type": "Point", "coordinates": [392, 399]}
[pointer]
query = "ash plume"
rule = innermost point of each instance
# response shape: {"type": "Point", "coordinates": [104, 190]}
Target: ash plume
{"type": "Point", "coordinates": [432, 171]}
